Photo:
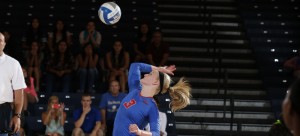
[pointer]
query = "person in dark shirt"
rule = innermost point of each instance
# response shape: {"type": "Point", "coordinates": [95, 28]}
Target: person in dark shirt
{"type": "Point", "coordinates": [158, 51]}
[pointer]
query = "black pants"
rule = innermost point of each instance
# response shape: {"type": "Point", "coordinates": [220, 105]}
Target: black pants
{"type": "Point", "coordinates": [109, 129]}
{"type": "Point", "coordinates": [5, 116]}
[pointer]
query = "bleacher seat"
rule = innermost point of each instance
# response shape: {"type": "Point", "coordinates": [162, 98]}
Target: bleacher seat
{"type": "Point", "coordinates": [35, 125]}
{"type": "Point", "coordinates": [69, 124]}
{"type": "Point", "coordinates": [273, 27]}
{"type": "Point", "coordinates": [39, 109]}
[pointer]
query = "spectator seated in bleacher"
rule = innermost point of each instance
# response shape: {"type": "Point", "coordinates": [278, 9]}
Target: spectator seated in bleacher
{"type": "Point", "coordinates": [87, 119]}
{"type": "Point", "coordinates": [59, 33]}
{"type": "Point", "coordinates": [54, 118]}
{"type": "Point", "coordinates": [117, 63]}
{"type": "Point", "coordinates": [60, 68]}
{"type": "Point", "coordinates": [294, 64]}
{"type": "Point", "coordinates": [87, 70]}
{"type": "Point", "coordinates": [142, 42]}
{"type": "Point", "coordinates": [158, 51]}
{"type": "Point", "coordinates": [110, 102]}
{"type": "Point", "coordinates": [34, 33]}
{"type": "Point", "coordinates": [291, 108]}
{"type": "Point", "coordinates": [90, 35]}
{"type": "Point", "coordinates": [34, 59]}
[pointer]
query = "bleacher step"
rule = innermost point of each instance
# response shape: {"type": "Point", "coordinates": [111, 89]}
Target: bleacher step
{"type": "Point", "coordinates": [219, 114]}
{"type": "Point", "coordinates": [237, 103]}
{"type": "Point", "coordinates": [229, 81]}
{"type": "Point", "coordinates": [225, 126]}
{"type": "Point", "coordinates": [208, 69]}
{"type": "Point", "coordinates": [214, 91]}
{"type": "Point", "coordinates": [199, 60]}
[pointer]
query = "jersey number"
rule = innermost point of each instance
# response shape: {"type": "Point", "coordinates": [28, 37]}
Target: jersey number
{"type": "Point", "coordinates": [129, 104]}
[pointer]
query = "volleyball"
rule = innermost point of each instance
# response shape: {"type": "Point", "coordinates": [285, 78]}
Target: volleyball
{"type": "Point", "coordinates": [109, 13]}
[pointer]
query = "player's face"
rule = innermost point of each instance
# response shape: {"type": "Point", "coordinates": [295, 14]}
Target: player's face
{"type": "Point", "coordinates": [151, 78]}
{"type": "Point", "coordinates": [2, 43]}
{"type": "Point", "coordinates": [86, 101]}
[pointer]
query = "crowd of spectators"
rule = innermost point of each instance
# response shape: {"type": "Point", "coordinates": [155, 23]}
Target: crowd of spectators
{"type": "Point", "coordinates": [59, 58]}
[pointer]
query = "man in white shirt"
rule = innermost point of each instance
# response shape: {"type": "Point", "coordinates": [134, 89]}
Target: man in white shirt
{"type": "Point", "coordinates": [11, 92]}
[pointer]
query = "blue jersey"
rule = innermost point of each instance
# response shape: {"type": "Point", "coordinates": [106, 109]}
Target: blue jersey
{"type": "Point", "coordinates": [136, 109]}
{"type": "Point", "coordinates": [90, 119]}
{"type": "Point", "coordinates": [111, 104]}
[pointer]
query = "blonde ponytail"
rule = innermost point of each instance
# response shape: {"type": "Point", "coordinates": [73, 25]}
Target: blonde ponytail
{"type": "Point", "coordinates": [180, 95]}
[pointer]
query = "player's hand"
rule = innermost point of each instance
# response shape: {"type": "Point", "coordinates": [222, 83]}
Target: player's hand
{"type": "Point", "coordinates": [169, 70]}
{"type": "Point", "coordinates": [133, 128]}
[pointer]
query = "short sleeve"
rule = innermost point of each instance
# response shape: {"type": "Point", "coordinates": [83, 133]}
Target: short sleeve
{"type": "Point", "coordinates": [18, 80]}
{"type": "Point", "coordinates": [98, 115]}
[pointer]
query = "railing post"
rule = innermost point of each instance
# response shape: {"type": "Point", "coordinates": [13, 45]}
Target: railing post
{"type": "Point", "coordinates": [232, 113]}
{"type": "Point", "coordinates": [225, 93]}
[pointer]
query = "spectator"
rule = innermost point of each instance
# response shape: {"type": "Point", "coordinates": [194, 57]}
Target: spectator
{"type": "Point", "coordinates": [87, 119]}
{"type": "Point", "coordinates": [59, 33]}
{"type": "Point", "coordinates": [279, 129]}
{"type": "Point", "coordinates": [90, 35]}
{"type": "Point", "coordinates": [118, 63]}
{"type": "Point", "coordinates": [34, 33]}
{"type": "Point", "coordinates": [87, 70]}
{"type": "Point", "coordinates": [142, 42]}
{"type": "Point", "coordinates": [60, 68]}
{"type": "Point", "coordinates": [54, 118]}
{"type": "Point", "coordinates": [30, 96]}
{"type": "Point", "coordinates": [291, 108]}
{"type": "Point", "coordinates": [110, 102]}
{"type": "Point", "coordinates": [294, 64]}
{"type": "Point", "coordinates": [34, 60]}
{"type": "Point", "coordinates": [158, 51]}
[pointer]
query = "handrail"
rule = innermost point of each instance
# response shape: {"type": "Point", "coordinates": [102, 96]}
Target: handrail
{"type": "Point", "coordinates": [225, 81]}
{"type": "Point", "coordinates": [231, 113]}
